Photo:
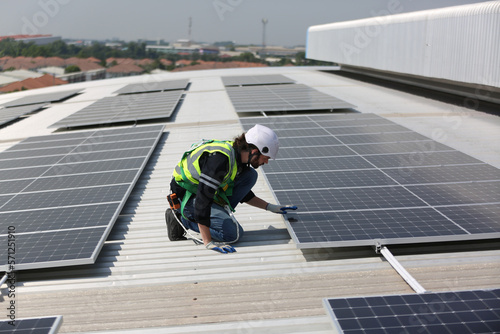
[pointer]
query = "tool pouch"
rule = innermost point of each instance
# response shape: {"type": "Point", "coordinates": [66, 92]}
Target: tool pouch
{"type": "Point", "coordinates": [174, 202]}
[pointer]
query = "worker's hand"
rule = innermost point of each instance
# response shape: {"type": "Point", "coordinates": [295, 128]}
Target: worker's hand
{"type": "Point", "coordinates": [282, 209]}
{"type": "Point", "coordinates": [220, 248]}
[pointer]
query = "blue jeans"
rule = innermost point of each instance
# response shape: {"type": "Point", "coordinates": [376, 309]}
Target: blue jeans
{"type": "Point", "coordinates": [222, 227]}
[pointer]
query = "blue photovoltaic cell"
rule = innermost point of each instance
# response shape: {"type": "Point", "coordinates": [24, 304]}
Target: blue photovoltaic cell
{"type": "Point", "coordinates": [420, 159]}
{"type": "Point", "coordinates": [315, 151]}
{"type": "Point", "coordinates": [368, 129]}
{"type": "Point", "coordinates": [443, 174]}
{"type": "Point", "coordinates": [474, 311]}
{"type": "Point", "coordinates": [359, 179]}
{"type": "Point", "coordinates": [52, 219]}
{"type": "Point", "coordinates": [324, 199]}
{"type": "Point", "coordinates": [413, 148]}
{"type": "Point", "coordinates": [63, 203]}
{"type": "Point", "coordinates": [308, 141]}
{"type": "Point", "coordinates": [317, 164]}
{"type": "Point", "coordinates": [329, 179]}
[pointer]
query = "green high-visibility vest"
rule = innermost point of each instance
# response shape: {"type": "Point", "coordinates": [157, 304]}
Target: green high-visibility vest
{"type": "Point", "coordinates": [187, 172]}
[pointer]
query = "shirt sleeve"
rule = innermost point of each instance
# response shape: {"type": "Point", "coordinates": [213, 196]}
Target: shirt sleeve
{"type": "Point", "coordinates": [248, 197]}
{"type": "Point", "coordinates": [213, 167]}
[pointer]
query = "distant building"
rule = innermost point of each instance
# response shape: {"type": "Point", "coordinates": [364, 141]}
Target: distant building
{"type": "Point", "coordinates": [276, 51]}
{"type": "Point", "coordinates": [210, 50]}
{"type": "Point", "coordinates": [37, 39]}
{"type": "Point", "coordinates": [161, 48]}
{"type": "Point", "coordinates": [84, 75]}
{"type": "Point", "coordinates": [451, 49]}
{"type": "Point", "coordinates": [114, 45]}
{"type": "Point", "coordinates": [46, 80]}
{"type": "Point", "coordinates": [184, 47]}
{"type": "Point", "coordinates": [17, 75]}
{"type": "Point", "coordinates": [124, 70]}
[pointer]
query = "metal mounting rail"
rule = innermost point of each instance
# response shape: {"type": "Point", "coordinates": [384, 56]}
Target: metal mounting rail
{"type": "Point", "coordinates": [4, 279]}
{"type": "Point", "coordinates": [412, 282]}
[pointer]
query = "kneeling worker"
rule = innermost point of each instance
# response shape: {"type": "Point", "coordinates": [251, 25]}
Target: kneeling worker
{"type": "Point", "coordinates": [214, 175]}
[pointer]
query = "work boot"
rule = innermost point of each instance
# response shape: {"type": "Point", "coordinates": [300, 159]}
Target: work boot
{"type": "Point", "coordinates": [174, 229]}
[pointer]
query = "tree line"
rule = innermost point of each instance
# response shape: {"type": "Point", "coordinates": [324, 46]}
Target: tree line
{"type": "Point", "coordinates": [134, 50]}
{"type": "Point", "coordinates": [12, 48]}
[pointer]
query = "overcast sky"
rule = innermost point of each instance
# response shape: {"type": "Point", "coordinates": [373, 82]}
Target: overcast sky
{"type": "Point", "coordinates": [212, 20]}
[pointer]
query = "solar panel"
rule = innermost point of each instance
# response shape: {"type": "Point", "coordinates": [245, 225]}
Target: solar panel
{"type": "Point", "coordinates": [9, 114]}
{"type": "Point", "coordinates": [124, 108]}
{"type": "Point", "coordinates": [43, 98]}
{"type": "Point", "coordinates": [40, 325]}
{"type": "Point", "coordinates": [282, 98]}
{"type": "Point", "coordinates": [250, 80]}
{"type": "Point", "coordinates": [359, 179]}
{"type": "Point", "coordinates": [61, 194]}
{"type": "Point", "coordinates": [474, 311]}
{"type": "Point", "coordinates": [151, 85]}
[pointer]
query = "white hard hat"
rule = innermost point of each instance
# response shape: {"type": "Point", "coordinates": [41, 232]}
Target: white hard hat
{"type": "Point", "coordinates": [265, 139]}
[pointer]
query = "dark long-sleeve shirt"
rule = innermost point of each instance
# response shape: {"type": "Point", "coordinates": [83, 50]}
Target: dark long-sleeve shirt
{"type": "Point", "coordinates": [213, 167]}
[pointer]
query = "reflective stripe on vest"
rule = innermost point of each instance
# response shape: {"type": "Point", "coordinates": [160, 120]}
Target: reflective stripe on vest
{"type": "Point", "coordinates": [190, 165]}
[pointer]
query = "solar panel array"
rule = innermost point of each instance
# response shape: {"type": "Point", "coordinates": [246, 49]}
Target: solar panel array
{"type": "Point", "coordinates": [124, 108]}
{"type": "Point", "coordinates": [61, 194]}
{"type": "Point", "coordinates": [41, 325]}
{"type": "Point", "coordinates": [250, 80]}
{"type": "Point", "coordinates": [282, 98]}
{"type": "Point", "coordinates": [360, 179]}
{"type": "Point", "coordinates": [476, 311]}
{"type": "Point", "coordinates": [9, 114]}
{"type": "Point", "coordinates": [154, 86]}
{"type": "Point", "coordinates": [42, 98]}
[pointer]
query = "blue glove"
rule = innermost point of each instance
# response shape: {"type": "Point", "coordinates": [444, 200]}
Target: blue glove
{"type": "Point", "coordinates": [280, 208]}
{"type": "Point", "coordinates": [221, 248]}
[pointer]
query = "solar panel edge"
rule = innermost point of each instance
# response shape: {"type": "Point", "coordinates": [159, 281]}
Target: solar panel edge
{"type": "Point", "coordinates": [105, 235]}
{"type": "Point", "coordinates": [427, 292]}
{"type": "Point", "coordinates": [332, 317]}
{"type": "Point", "coordinates": [129, 89]}
{"type": "Point", "coordinates": [53, 264]}
{"type": "Point", "coordinates": [57, 324]}
{"type": "Point", "coordinates": [287, 223]}
{"type": "Point", "coordinates": [392, 241]}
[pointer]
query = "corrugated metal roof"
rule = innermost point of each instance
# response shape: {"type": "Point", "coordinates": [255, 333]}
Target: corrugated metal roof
{"type": "Point", "coordinates": [143, 283]}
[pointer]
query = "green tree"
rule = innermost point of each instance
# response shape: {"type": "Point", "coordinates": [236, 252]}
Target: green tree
{"type": "Point", "coordinates": [59, 49]}
{"type": "Point", "coordinates": [248, 57]}
{"type": "Point", "coordinates": [72, 69]}
{"type": "Point", "coordinates": [300, 58]}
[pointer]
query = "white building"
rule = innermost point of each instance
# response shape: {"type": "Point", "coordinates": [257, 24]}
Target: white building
{"type": "Point", "coordinates": [455, 49]}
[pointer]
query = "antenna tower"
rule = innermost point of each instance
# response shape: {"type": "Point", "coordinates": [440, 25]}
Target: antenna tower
{"type": "Point", "coordinates": [264, 23]}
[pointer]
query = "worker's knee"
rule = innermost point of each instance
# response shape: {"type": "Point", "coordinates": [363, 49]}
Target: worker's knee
{"type": "Point", "coordinates": [231, 232]}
